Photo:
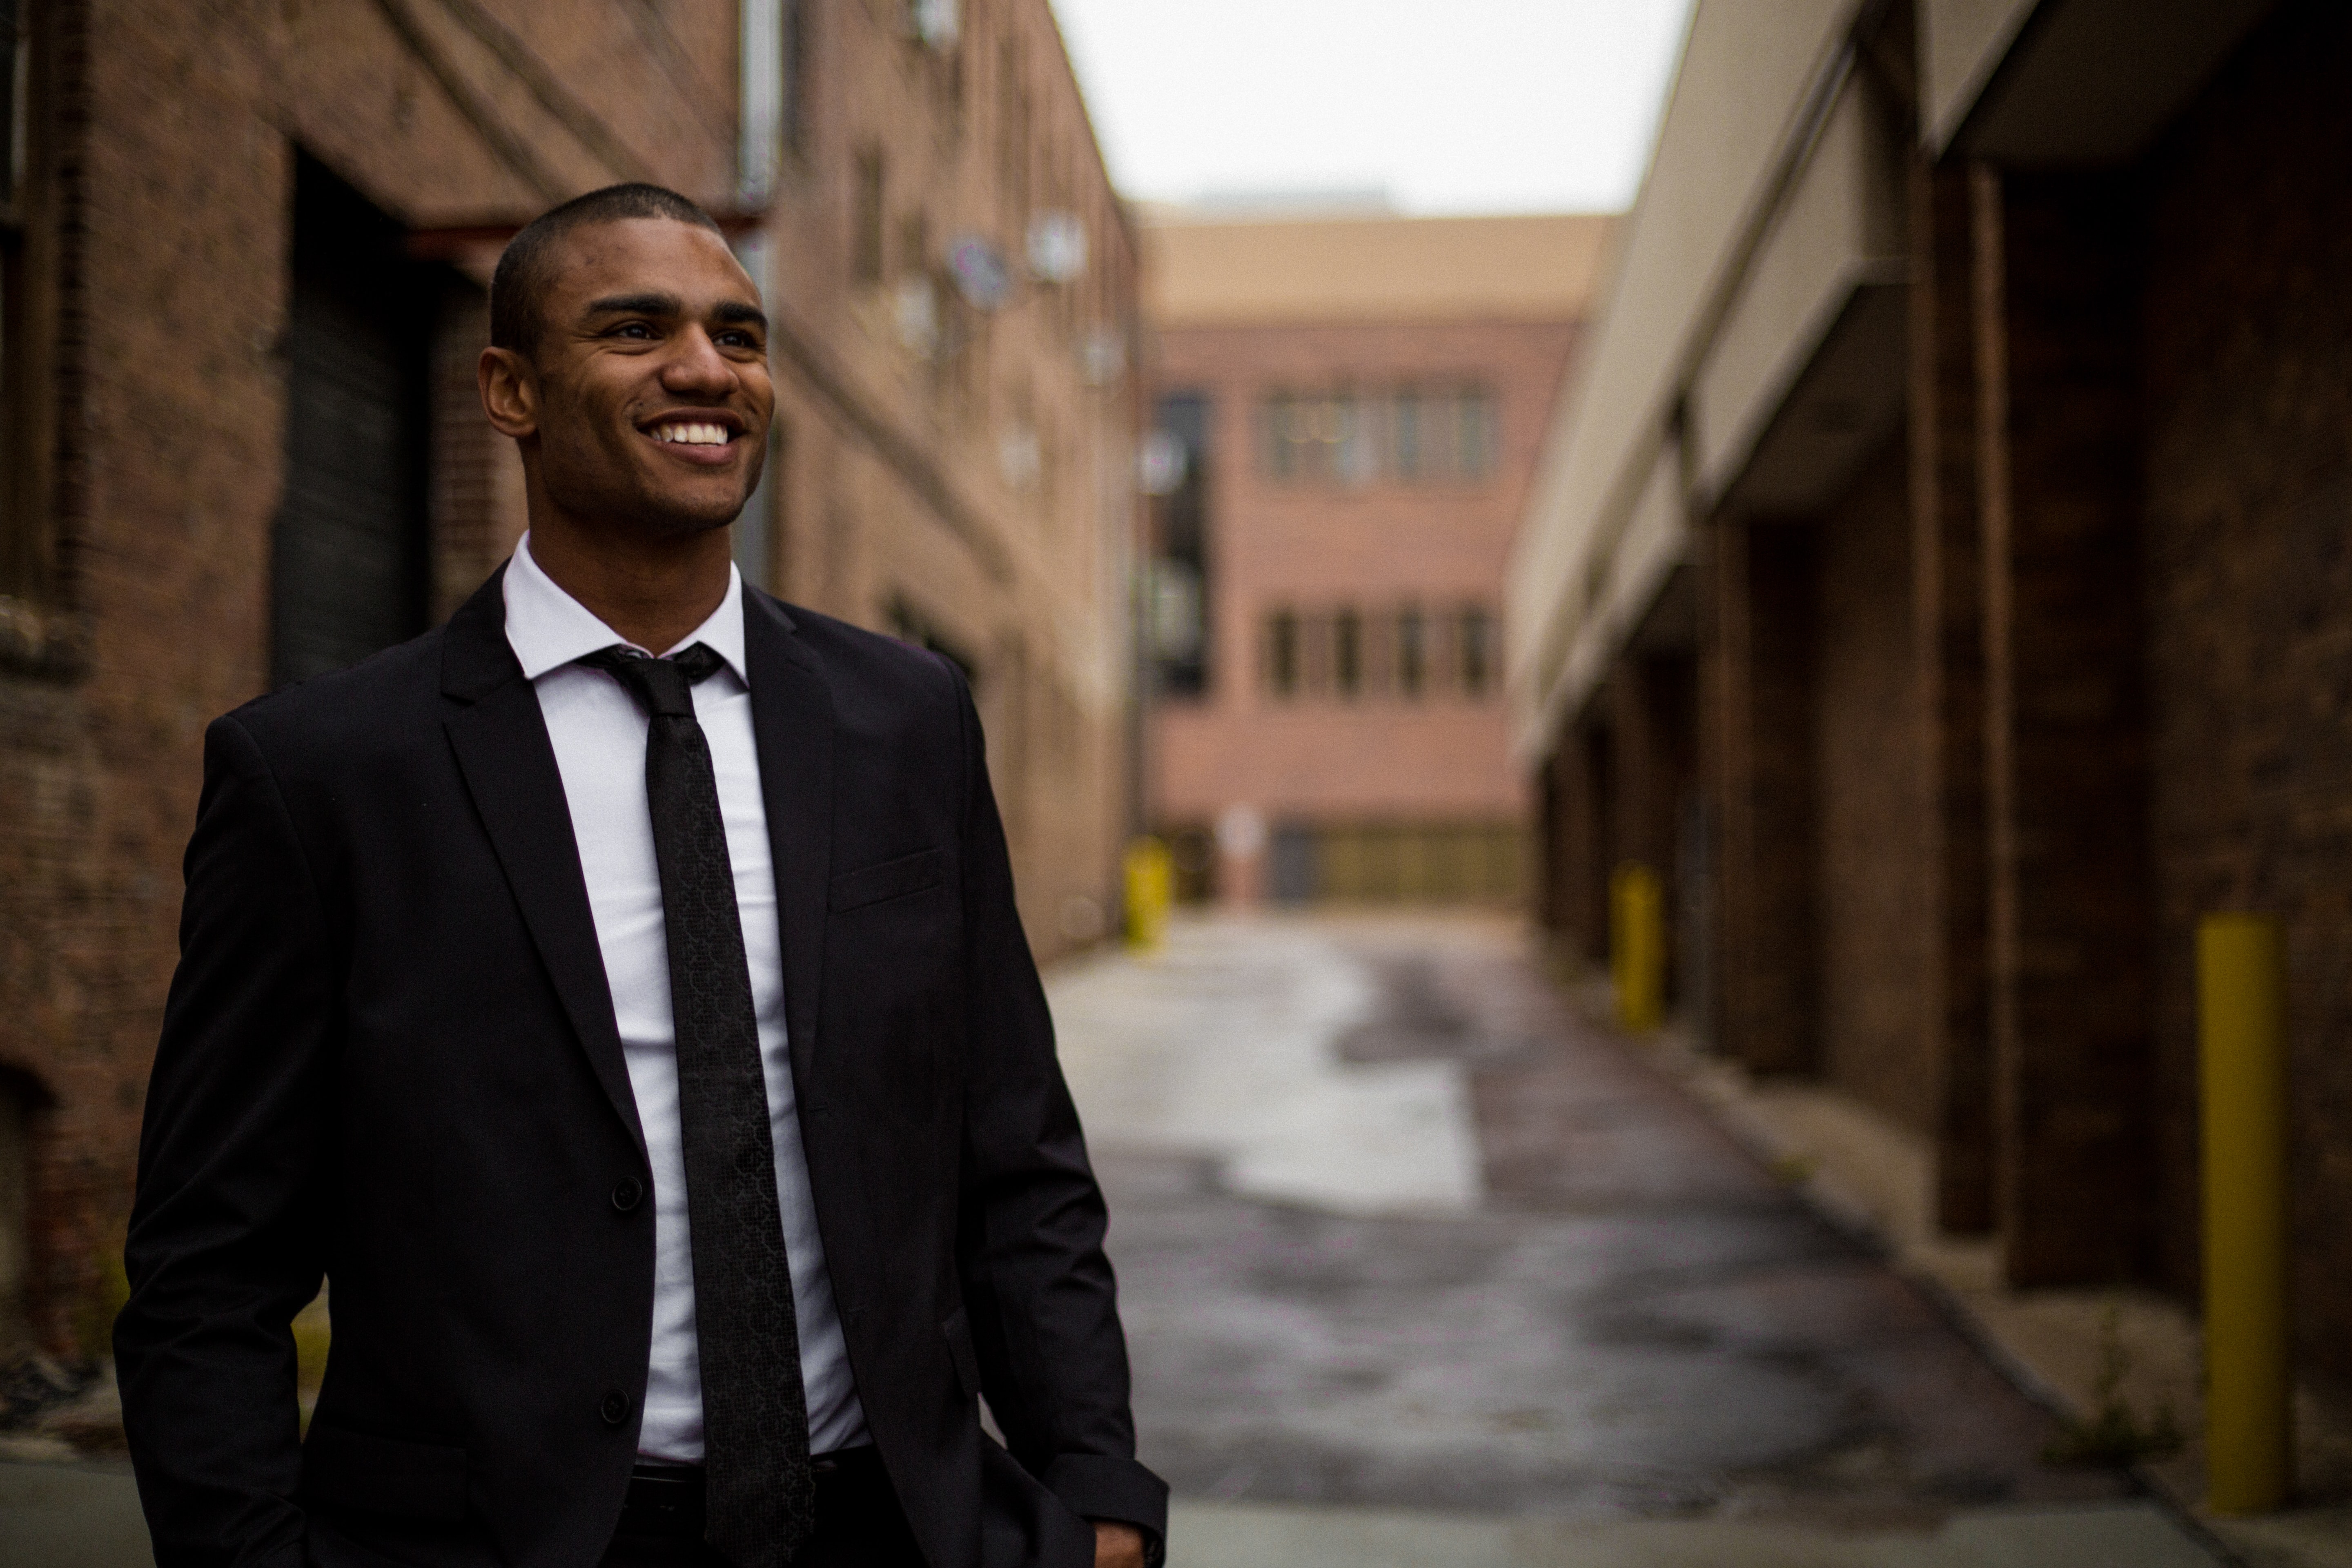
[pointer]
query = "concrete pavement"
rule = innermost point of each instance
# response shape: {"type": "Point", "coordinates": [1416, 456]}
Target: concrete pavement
{"type": "Point", "coordinates": [1220, 1048]}
{"type": "Point", "coordinates": [1419, 1269]}
{"type": "Point", "coordinates": [70, 1516]}
{"type": "Point", "coordinates": [1278, 1535]}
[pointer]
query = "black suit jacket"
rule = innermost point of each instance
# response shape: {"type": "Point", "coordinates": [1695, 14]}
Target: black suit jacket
{"type": "Point", "coordinates": [389, 1057]}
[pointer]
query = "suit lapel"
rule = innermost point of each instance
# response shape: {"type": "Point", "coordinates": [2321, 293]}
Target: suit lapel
{"type": "Point", "coordinates": [792, 725]}
{"type": "Point", "coordinates": [509, 764]}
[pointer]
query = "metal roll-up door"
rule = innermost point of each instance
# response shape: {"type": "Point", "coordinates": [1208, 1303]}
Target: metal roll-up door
{"type": "Point", "coordinates": [350, 560]}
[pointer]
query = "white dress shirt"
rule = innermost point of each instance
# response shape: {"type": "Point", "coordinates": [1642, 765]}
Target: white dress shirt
{"type": "Point", "coordinates": [599, 734]}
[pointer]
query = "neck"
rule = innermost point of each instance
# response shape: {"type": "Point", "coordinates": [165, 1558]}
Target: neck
{"type": "Point", "coordinates": [653, 591]}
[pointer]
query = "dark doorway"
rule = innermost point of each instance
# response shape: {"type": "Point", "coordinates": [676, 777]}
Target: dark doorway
{"type": "Point", "coordinates": [22, 1100]}
{"type": "Point", "coordinates": [350, 560]}
{"type": "Point", "coordinates": [1290, 865]}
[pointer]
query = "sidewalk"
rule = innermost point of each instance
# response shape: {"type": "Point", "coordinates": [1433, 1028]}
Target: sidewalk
{"type": "Point", "coordinates": [1262, 1535]}
{"type": "Point", "coordinates": [1877, 1178]}
{"type": "Point", "coordinates": [77, 1515]}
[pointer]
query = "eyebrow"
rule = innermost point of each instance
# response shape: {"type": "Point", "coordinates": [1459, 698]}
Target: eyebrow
{"type": "Point", "coordinates": [660, 304]}
{"type": "Point", "coordinates": [651, 304]}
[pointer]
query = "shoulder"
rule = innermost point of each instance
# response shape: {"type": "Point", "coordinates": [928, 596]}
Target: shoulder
{"type": "Point", "coordinates": [866, 668]}
{"type": "Point", "coordinates": [382, 704]}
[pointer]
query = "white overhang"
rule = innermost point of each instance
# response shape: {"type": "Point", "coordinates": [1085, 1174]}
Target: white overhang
{"type": "Point", "coordinates": [1837, 237]}
{"type": "Point", "coordinates": [1751, 344]}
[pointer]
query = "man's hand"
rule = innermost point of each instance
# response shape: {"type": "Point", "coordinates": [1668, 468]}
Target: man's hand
{"type": "Point", "coordinates": [1117, 1545]}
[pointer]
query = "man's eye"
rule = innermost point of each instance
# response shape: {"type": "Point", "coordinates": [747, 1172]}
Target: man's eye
{"type": "Point", "coordinates": [633, 330]}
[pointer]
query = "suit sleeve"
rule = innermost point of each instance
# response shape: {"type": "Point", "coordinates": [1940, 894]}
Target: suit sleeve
{"type": "Point", "coordinates": [224, 1245]}
{"type": "Point", "coordinates": [1038, 1288]}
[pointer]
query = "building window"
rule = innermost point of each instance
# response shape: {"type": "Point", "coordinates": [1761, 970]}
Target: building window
{"type": "Point", "coordinates": [16, 50]}
{"type": "Point", "coordinates": [23, 538]}
{"type": "Point", "coordinates": [1355, 448]}
{"type": "Point", "coordinates": [1444, 436]}
{"type": "Point", "coordinates": [1409, 435]}
{"type": "Point", "coordinates": [935, 23]}
{"type": "Point", "coordinates": [1177, 458]}
{"type": "Point", "coordinates": [1282, 661]}
{"type": "Point", "coordinates": [1323, 438]}
{"type": "Point", "coordinates": [759, 531]}
{"type": "Point", "coordinates": [1474, 415]}
{"type": "Point", "coordinates": [865, 218]}
{"type": "Point", "coordinates": [794, 42]}
{"type": "Point", "coordinates": [1411, 654]}
{"type": "Point", "coordinates": [1315, 655]}
{"type": "Point", "coordinates": [1347, 654]}
{"type": "Point", "coordinates": [1012, 129]}
{"type": "Point", "coordinates": [1474, 652]}
{"type": "Point", "coordinates": [1408, 654]}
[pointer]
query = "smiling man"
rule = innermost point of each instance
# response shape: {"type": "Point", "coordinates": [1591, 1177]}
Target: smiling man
{"type": "Point", "coordinates": [617, 994]}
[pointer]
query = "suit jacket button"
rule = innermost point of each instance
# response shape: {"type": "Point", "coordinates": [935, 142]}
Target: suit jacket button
{"type": "Point", "coordinates": [615, 1407]}
{"type": "Point", "coordinates": [627, 1192]}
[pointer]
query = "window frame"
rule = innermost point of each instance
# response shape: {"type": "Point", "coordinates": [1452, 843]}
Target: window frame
{"type": "Point", "coordinates": [28, 546]}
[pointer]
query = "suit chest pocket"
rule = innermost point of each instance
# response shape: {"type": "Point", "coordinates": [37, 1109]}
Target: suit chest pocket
{"type": "Point", "coordinates": [885, 881]}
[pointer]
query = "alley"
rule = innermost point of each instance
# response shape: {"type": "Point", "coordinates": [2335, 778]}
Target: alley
{"type": "Point", "coordinates": [1418, 1267]}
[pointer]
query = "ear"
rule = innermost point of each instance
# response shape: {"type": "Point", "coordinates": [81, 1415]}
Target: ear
{"type": "Point", "coordinates": [509, 386]}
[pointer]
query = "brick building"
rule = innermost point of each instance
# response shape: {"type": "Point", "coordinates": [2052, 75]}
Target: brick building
{"type": "Point", "coordinates": [1941, 571]}
{"type": "Point", "coordinates": [1349, 410]}
{"type": "Point", "coordinates": [244, 251]}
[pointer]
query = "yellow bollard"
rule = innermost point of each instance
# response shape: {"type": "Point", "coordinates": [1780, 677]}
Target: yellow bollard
{"type": "Point", "coordinates": [1637, 947]}
{"type": "Point", "coordinates": [2241, 1040]}
{"type": "Point", "coordinates": [1151, 889]}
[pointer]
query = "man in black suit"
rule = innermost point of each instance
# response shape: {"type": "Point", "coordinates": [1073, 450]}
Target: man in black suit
{"type": "Point", "coordinates": [647, 1047]}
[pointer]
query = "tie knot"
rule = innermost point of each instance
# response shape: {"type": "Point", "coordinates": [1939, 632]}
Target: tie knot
{"type": "Point", "coordinates": [663, 688]}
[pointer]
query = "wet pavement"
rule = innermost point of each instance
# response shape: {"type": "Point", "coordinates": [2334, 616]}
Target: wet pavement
{"type": "Point", "coordinates": [1396, 1232]}
{"type": "Point", "coordinates": [1420, 1269]}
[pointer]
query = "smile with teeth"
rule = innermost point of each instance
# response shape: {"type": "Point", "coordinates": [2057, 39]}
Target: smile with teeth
{"type": "Point", "coordinates": [692, 435]}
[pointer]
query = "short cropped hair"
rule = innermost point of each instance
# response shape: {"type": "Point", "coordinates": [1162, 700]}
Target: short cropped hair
{"type": "Point", "coordinates": [528, 265]}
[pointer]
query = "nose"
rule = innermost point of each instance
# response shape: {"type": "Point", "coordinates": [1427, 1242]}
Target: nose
{"type": "Point", "coordinates": [695, 367]}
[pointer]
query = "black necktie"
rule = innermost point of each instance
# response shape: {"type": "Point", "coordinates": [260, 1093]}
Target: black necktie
{"type": "Point", "coordinates": [761, 1495]}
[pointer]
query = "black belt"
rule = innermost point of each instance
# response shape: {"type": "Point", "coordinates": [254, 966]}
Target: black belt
{"type": "Point", "coordinates": [666, 1500]}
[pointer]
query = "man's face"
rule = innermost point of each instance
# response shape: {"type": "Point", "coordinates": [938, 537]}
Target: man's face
{"type": "Point", "coordinates": [652, 396]}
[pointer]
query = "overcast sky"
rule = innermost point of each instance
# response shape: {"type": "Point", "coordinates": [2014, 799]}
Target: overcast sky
{"type": "Point", "coordinates": [1449, 106]}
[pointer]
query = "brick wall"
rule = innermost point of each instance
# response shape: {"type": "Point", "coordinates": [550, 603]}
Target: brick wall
{"type": "Point", "coordinates": [1758, 758]}
{"type": "Point", "coordinates": [903, 499]}
{"type": "Point", "coordinates": [167, 145]}
{"type": "Point", "coordinates": [2248, 547]}
{"type": "Point", "coordinates": [172, 189]}
{"type": "Point", "coordinates": [1872, 934]}
{"type": "Point", "coordinates": [1574, 845]}
{"type": "Point", "coordinates": [1647, 703]}
{"type": "Point", "coordinates": [1945, 410]}
{"type": "Point", "coordinates": [2066, 743]}
{"type": "Point", "coordinates": [2089, 678]}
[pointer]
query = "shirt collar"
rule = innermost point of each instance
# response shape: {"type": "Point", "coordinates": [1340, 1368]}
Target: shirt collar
{"type": "Point", "coordinates": [548, 628]}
